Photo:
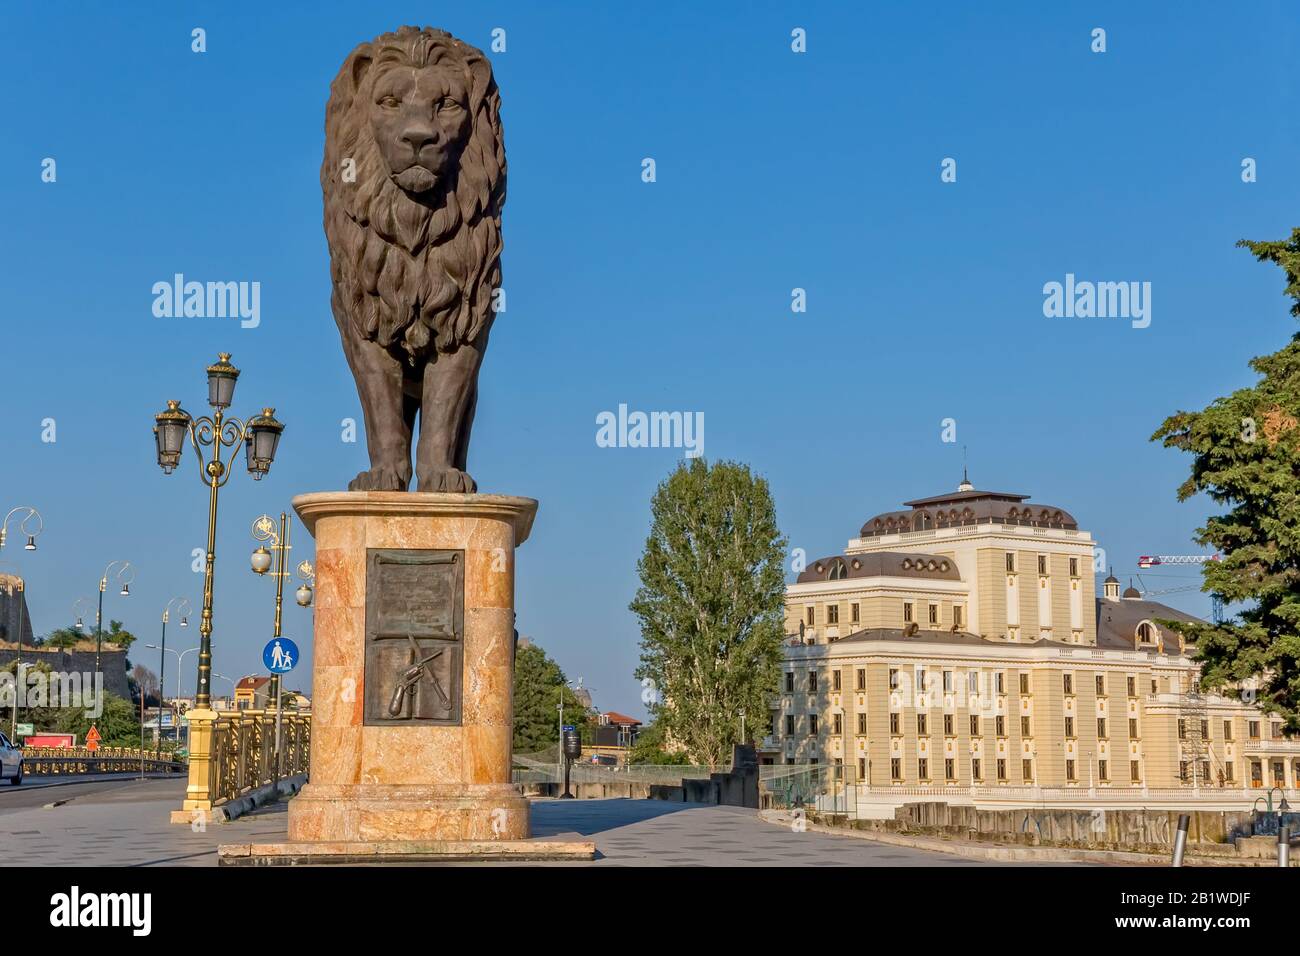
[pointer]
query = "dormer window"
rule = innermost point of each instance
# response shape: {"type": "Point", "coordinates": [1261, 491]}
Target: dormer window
{"type": "Point", "coordinates": [1146, 634]}
{"type": "Point", "coordinates": [838, 571]}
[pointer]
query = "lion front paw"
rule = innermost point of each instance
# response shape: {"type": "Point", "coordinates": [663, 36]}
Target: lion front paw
{"type": "Point", "coordinates": [380, 479]}
{"type": "Point", "coordinates": [448, 479]}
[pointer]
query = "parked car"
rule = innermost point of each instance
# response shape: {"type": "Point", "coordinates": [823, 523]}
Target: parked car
{"type": "Point", "coordinates": [11, 761]}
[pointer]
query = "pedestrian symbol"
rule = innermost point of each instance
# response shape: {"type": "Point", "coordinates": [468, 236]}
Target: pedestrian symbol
{"type": "Point", "coordinates": [280, 655]}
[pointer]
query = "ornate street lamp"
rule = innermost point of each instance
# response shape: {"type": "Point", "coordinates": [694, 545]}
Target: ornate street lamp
{"type": "Point", "coordinates": [24, 525]}
{"type": "Point", "coordinates": [183, 608]}
{"type": "Point", "coordinates": [261, 435]}
{"type": "Point", "coordinates": [304, 593]}
{"type": "Point", "coordinates": [264, 530]}
{"type": "Point", "coordinates": [125, 575]}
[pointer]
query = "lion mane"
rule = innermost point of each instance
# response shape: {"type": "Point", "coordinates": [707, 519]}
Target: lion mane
{"type": "Point", "coordinates": [413, 274]}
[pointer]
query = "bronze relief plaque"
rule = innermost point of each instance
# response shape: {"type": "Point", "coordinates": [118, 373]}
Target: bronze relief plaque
{"type": "Point", "coordinates": [415, 618]}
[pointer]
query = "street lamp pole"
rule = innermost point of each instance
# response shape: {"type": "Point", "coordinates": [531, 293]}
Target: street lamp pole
{"type": "Point", "coordinates": [264, 530]}
{"type": "Point", "coordinates": [125, 574]}
{"type": "Point", "coordinates": [258, 436]}
{"type": "Point", "coordinates": [162, 660]}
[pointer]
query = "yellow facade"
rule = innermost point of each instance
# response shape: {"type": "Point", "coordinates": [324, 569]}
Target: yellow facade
{"type": "Point", "coordinates": [970, 656]}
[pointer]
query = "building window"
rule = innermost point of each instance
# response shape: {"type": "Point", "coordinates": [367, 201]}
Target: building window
{"type": "Point", "coordinates": [1102, 773]}
{"type": "Point", "coordinates": [812, 682]}
{"type": "Point", "coordinates": [862, 769]}
{"type": "Point", "coordinates": [1135, 771]}
{"type": "Point", "coordinates": [812, 725]}
{"type": "Point", "coordinates": [1042, 564]}
{"type": "Point", "coordinates": [861, 678]}
{"type": "Point", "coordinates": [1132, 686]}
{"type": "Point", "coordinates": [947, 682]}
{"type": "Point", "coordinates": [920, 723]}
{"type": "Point", "coordinates": [958, 616]}
{"type": "Point", "coordinates": [1205, 729]}
{"type": "Point", "coordinates": [1182, 729]}
{"type": "Point", "coordinates": [1182, 770]}
{"type": "Point", "coordinates": [974, 726]}
{"type": "Point", "coordinates": [1101, 686]}
{"type": "Point", "coordinates": [862, 723]}
{"type": "Point", "coordinates": [1000, 725]}
{"type": "Point", "coordinates": [950, 769]}
{"type": "Point", "coordinates": [895, 769]}
{"type": "Point", "coordinates": [921, 683]}
{"type": "Point", "coordinates": [835, 680]}
{"type": "Point", "coordinates": [893, 724]}
{"type": "Point", "coordinates": [839, 724]}
{"type": "Point", "coordinates": [1024, 683]}
{"type": "Point", "coordinates": [907, 612]}
{"type": "Point", "coordinates": [1024, 727]}
{"type": "Point", "coordinates": [1067, 681]}
{"type": "Point", "coordinates": [1074, 567]}
{"type": "Point", "coordinates": [1011, 562]}
{"type": "Point", "coordinates": [1069, 770]}
{"type": "Point", "coordinates": [789, 725]}
{"type": "Point", "coordinates": [973, 682]}
{"type": "Point", "coordinates": [1144, 632]}
{"type": "Point", "coordinates": [1101, 728]}
{"type": "Point", "coordinates": [1069, 726]}
{"type": "Point", "coordinates": [855, 613]}
{"type": "Point", "coordinates": [1132, 728]}
{"type": "Point", "coordinates": [934, 614]}
{"type": "Point", "coordinates": [923, 768]}
{"type": "Point", "coordinates": [1277, 730]}
{"type": "Point", "coordinates": [947, 724]}
{"type": "Point", "coordinates": [999, 682]}
{"type": "Point", "coordinates": [1253, 729]}
{"type": "Point", "coordinates": [1227, 730]}
{"type": "Point", "coordinates": [789, 682]}
{"type": "Point", "coordinates": [1227, 772]}
{"type": "Point", "coordinates": [1002, 769]}
{"type": "Point", "coordinates": [832, 614]}
{"type": "Point", "coordinates": [893, 678]}
{"type": "Point", "coordinates": [1153, 686]}
{"type": "Point", "coordinates": [975, 772]}
{"type": "Point", "coordinates": [812, 616]}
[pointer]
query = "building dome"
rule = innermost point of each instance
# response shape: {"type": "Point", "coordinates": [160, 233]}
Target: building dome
{"type": "Point", "coordinates": [1131, 591]}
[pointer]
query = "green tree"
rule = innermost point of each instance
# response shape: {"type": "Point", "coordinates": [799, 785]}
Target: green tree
{"type": "Point", "coordinates": [710, 604]}
{"type": "Point", "coordinates": [62, 637]}
{"type": "Point", "coordinates": [539, 686]}
{"type": "Point", "coordinates": [651, 747]}
{"type": "Point", "coordinates": [1246, 457]}
{"type": "Point", "coordinates": [118, 725]}
{"type": "Point", "coordinates": [119, 636]}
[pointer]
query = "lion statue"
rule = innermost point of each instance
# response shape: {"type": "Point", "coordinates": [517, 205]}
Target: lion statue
{"type": "Point", "coordinates": [414, 178]}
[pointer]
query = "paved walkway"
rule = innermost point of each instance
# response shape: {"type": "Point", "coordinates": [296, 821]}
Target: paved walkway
{"type": "Point", "coordinates": [124, 824]}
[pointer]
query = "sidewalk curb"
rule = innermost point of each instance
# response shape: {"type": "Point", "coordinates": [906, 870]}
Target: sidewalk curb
{"type": "Point", "coordinates": [1008, 854]}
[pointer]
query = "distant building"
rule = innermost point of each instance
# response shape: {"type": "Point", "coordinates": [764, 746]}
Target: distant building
{"type": "Point", "coordinates": [252, 692]}
{"type": "Point", "coordinates": [613, 732]}
{"type": "Point", "coordinates": [959, 643]}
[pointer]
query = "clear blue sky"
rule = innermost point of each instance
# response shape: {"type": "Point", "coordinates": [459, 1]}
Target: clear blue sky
{"type": "Point", "coordinates": [775, 171]}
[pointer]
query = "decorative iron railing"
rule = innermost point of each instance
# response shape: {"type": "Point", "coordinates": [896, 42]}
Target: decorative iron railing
{"type": "Point", "coordinates": [55, 761]}
{"type": "Point", "coordinates": [244, 751]}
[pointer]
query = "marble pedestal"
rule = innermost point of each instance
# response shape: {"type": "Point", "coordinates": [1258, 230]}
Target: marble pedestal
{"type": "Point", "coordinates": [373, 788]}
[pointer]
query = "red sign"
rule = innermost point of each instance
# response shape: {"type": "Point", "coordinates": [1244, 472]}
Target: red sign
{"type": "Point", "coordinates": [92, 739]}
{"type": "Point", "coordinates": [50, 740]}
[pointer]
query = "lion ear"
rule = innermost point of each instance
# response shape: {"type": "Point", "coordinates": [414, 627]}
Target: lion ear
{"type": "Point", "coordinates": [361, 60]}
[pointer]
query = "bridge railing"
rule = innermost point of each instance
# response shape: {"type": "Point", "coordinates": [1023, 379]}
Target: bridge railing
{"type": "Point", "coordinates": [55, 761]}
{"type": "Point", "coordinates": [244, 754]}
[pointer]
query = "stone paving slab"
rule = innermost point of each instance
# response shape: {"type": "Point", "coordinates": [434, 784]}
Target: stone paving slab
{"type": "Point", "coordinates": [128, 826]}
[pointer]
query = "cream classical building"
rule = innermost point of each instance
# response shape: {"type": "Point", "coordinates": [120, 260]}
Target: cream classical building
{"type": "Point", "coordinates": [960, 642]}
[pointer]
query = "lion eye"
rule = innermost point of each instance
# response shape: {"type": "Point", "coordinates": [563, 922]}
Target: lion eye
{"type": "Point", "coordinates": [390, 102]}
{"type": "Point", "coordinates": [449, 103]}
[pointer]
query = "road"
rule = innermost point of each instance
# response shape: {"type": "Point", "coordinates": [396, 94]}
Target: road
{"type": "Point", "coordinates": [124, 823]}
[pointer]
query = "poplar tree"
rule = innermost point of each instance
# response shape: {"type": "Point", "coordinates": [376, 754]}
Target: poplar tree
{"type": "Point", "coordinates": [710, 605]}
{"type": "Point", "coordinates": [1246, 458]}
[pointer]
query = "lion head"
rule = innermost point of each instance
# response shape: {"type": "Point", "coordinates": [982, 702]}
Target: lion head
{"type": "Point", "coordinates": [414, 178]}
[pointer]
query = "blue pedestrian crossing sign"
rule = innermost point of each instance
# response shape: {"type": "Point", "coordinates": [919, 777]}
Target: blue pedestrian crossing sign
{"type": "Point", "coordinates": [280, 655]}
